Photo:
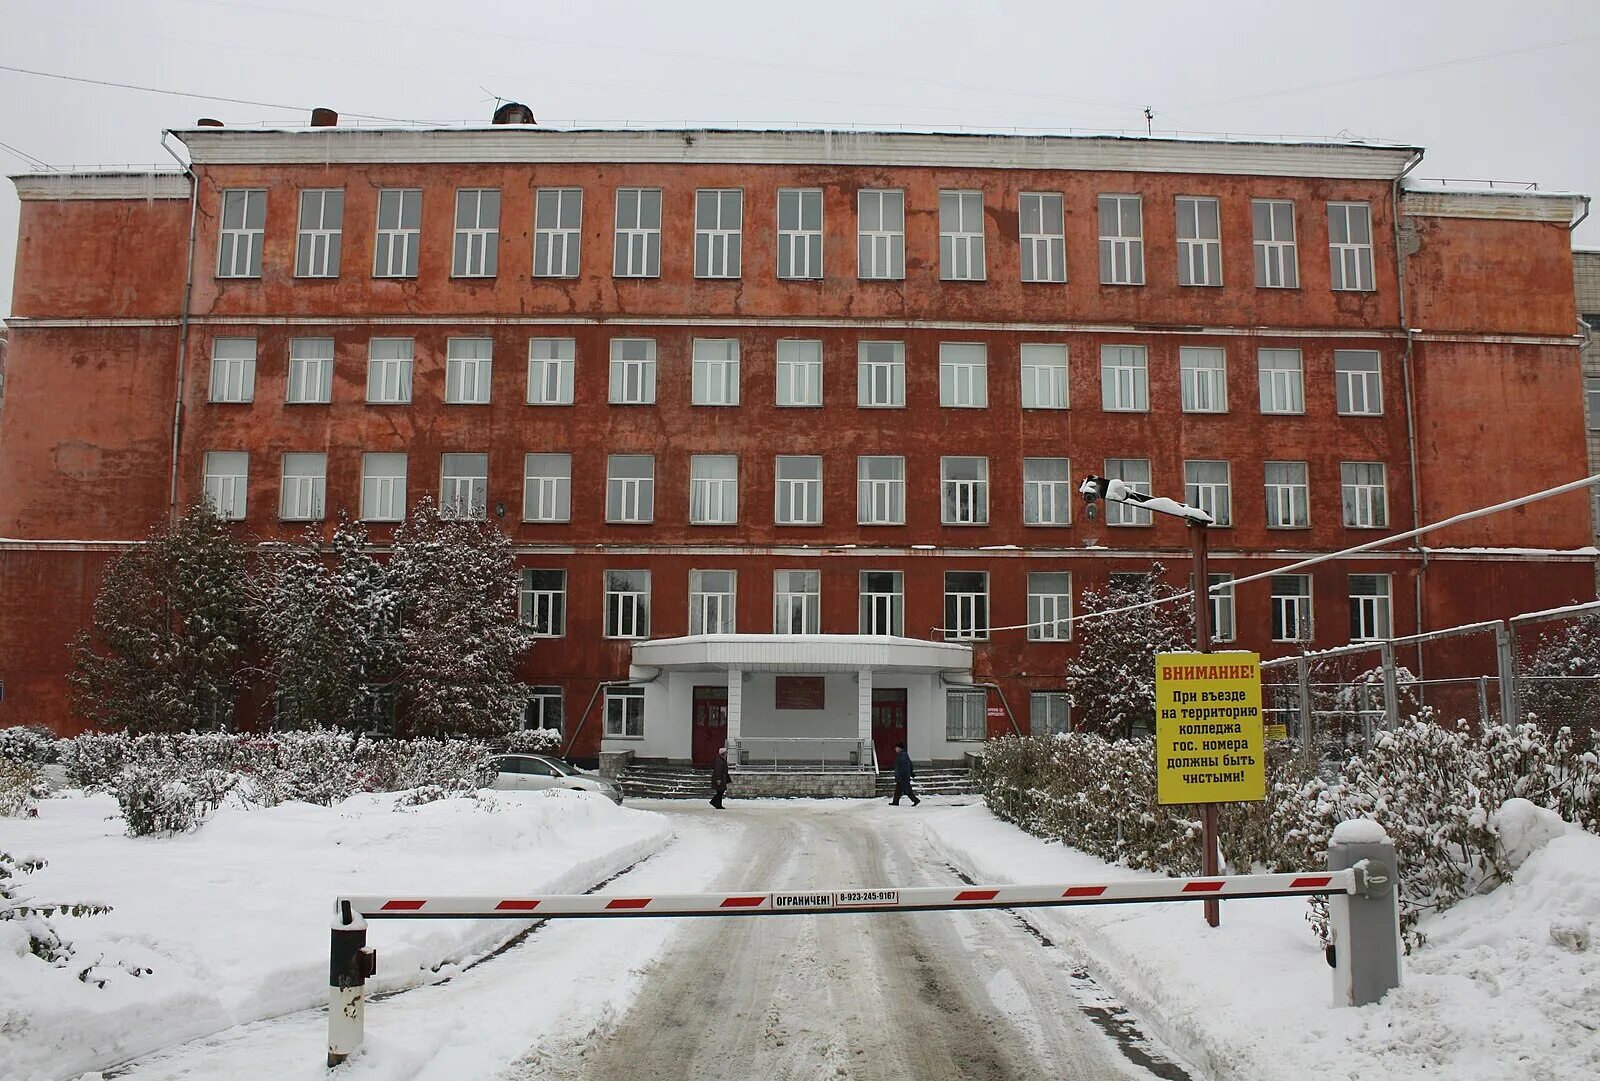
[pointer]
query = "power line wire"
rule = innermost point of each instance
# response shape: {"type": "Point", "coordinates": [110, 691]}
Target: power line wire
{"type": "Point", "coordinates": [24, 156]}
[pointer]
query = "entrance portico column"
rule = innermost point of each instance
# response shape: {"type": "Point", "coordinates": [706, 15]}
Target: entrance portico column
{"type": "Point", "coordinates": [735, 704]}
{"type": "Point", "coordinates": [864, 707]}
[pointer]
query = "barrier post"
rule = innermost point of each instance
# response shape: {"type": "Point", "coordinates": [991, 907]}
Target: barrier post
{"type": "Point", "coordinates": [350, 962]}
{"type": "Point", "coordinates": [1365, 925]}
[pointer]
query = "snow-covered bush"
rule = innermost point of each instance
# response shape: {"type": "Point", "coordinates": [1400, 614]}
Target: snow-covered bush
{"type": "Point", "coordinates": [33, 917]}
{"type": "Point", "coordinates": [21, 787]}
{"type": "Point", "coordinates": [154, 801]}
{"type": "Point", "coordinates": [27, 743]}
{"type": "Point", "coordinates": [1111, 679]}
{"type": "Point", "coordinates": [531, 741]}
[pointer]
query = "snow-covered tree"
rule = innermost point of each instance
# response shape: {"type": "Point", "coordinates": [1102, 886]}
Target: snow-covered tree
{"type": "Point", "coordinates": [165, 651]}
{"type": "Point", "coordinates": [1560, 683]}
{"type": "Point", "coordinates": [460, 636]}
{"type": "Point", "coordinates": [1111, 680]}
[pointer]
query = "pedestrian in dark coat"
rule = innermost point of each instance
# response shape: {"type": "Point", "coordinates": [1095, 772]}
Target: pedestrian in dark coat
{"type": "Point", "coordinates": [720, 778]}
{"type": "Point", "coordinates": [902, 776]}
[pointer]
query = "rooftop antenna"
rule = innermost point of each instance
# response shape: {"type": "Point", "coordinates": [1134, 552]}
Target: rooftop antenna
{"type": "Point", "coordinates": [1149, 115]}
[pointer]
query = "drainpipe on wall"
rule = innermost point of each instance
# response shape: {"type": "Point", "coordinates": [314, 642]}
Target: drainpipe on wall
{"type": "Point", "coordinates": [598, 687]}
{"type": "Point", "coordinates": [183, 329]}
{"type": "Point", "coordinates": [1411, 419]}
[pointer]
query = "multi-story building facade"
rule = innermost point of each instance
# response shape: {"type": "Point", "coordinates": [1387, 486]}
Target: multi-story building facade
{"type": "Point", "coordinates": [729, 391]}
{"type": "Point", "coordinates": [1586, 285]}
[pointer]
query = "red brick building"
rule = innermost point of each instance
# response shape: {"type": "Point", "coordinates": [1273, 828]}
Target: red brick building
{"type": "Point", "coordinates": [837, 383]}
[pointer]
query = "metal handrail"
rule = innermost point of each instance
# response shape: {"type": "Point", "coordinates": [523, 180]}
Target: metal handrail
{"type": "Point", "coordinates": [852, 747]}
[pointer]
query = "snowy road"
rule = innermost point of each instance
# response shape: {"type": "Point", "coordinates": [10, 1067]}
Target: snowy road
{"type": "Point", "coordinates": [937, 995]}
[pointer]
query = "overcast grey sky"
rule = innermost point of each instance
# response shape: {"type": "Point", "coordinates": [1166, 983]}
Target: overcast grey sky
{"type": "Point", "coordinates": [1419, 71]}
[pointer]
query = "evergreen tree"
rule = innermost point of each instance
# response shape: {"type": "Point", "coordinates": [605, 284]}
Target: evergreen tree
{"type": "Point", "coordinates": [1560, 683]}
{"type": "Point", "coordinates": [164, 654]}
{"type": "Point", "coordinates": [1111, 679]}
{"type": "Point", "coordinates": [460, 637]}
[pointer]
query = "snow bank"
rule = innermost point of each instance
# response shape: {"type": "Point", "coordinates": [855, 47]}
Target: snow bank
{"type": "Point", "coordinates": [1508, 984]}
{"type": "Point", "coordinates": [230, 924]}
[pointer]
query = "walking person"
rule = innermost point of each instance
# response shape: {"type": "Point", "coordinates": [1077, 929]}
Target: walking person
{"type": "Point", "coordinates": [902, 776]}
{"type": "Point", "coordinates": [720, 778]}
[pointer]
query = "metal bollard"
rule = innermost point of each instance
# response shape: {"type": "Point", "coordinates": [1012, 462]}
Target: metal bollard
{"type": "Point", "coordinates": [350, 962]}
{"type": "Point", "coordinates": [1365, 925]}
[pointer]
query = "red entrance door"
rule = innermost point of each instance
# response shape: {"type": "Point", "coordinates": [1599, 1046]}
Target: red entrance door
{"type": "Point", "coordinates": [888, 723]}
{"type": "Point", "coordinates": [710, 724]}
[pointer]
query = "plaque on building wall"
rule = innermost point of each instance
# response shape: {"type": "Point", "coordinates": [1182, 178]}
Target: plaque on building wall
{"type": "Point", "coordinates": [800, 692]}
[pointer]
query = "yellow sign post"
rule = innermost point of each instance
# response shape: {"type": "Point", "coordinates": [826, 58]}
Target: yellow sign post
{"type": "Point", "coordinates": [1210, 745]}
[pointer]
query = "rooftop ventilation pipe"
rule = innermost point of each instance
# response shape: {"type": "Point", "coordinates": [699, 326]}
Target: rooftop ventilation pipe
{"type": "Point", "coordinates": [207, 122]}
{"type": "Point", "coordinates": [324, 118]}
{"type": "Point", "coordinates": [513, 112]}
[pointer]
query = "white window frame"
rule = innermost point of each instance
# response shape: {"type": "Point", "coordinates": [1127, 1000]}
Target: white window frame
{"type": "Point", "coordinates": [1135, 473]}
{"type": "Point", "coordinates": [1203, 374]}
{"type": "Point", "coordinates": [797, 492]}
{"type": "Point", "coordinates": [227, 483]}
{"type": "Point", "coordinates": [633, 378]}
{"type": "Point", "coordinates": [469, 371]}
{"type": "Point", "coordinates": [1292, 612]}
{"type": "Point", "coordinates": [1124, 379]}
{"type": "Point", "coordinates": [1046, 382]}
{"type": "Point", "coordinates": [1211, 495]}
{"type": "Point", "coordinates": [964, 500]}
{"type": "Point", "coordinates": [630, 496]}
{"type": "Point", "coordinates": [1046, 499]}
{"type": "Point", "coordinates": [1224, 610]}
{"type": "Point", "coordinates": [1121, 240]}
{"type": "Point", "coordinates": [961, 229]}
{"type": "Point", "coordinates": [713, 610]}
{"type": "Point", "coordinates": [624, 713]}
{"type": "Point", "coordinates": [799, 373]}
{"type": "Point", "coordinates": [476, 251]}
{"type": "Point", "coordinates": [543, 709]}
{"type": "Point", "coordinates": [1371, 614]}
{"type": "Point", "coordinates": [1049, 609]}
{"type": "Point", "coordinates": [718, 232]}
{"type": "Point", "coordinates": [1276, 248]}
{"type": "Point", "coordinates": [242, 226]}
{"type": "Point", "coordinates": [963, 375]}
{"type": "Point", "coordinates": [383, 495]}
{"type": "Point", "coordinates": [880, 379]}
{"type": "Point", "coordinates": [713, 489]}
{"type": "Point", "coordinates": [395, 247]}
{"type": "Point", "coordinates": [1044, 248]}
{"type": "Point", "coordinates": [464, 485]}
{"type": "Point", "coordinates": [550, 370]}
{"type": "Point", "coordinates": [880, 500]}
{"type": "Point", "coordinates": [1364, 493]}
{"type": "Point", "coordinates": [389, 376]}
{"type": "Point", "coordinates": [316, 253]}
{"type": "Point", "coordinates": [966, 611]}
{"type": "Point", "coordinates": [796, 593]}
{"type": "Point", "coordinates": [543, 610]}
{"type": "Point", "coordinates": [882, 612]}
{"type": "Point", "coordinates": [557, 235]}
{"type": "Point", "coordinates": [233, 373]}
{"type": "Point", "coordinates": [1350, 259]}
{"type": "Point", "coordinates": [1289, 495]}
{"type": "Point", "coordinates": [1358, 382]}
{"type": "Point", "coordinates": [1199, 254]}
{"type": "Point", "coordinates": [310, 372]}
{"type": "Point", "coordinates": [627, 611]}
{"type": "Point", "coordinates": [880, 251]}
{"type": "Point", "coordinates": [714, 372]}
{"type": "Point", "coordinates": [1049, 713]}
{"type": "Point", "coordinates": [546, 487]}
{"type": "Point", "coordinates": [637, 251]}
{"type": "Point", "coordinates": [303, 489]}
{"type": "Point", "coordinates": [799, 246]}
{"type": "Point", "coordinates": [966, 716]}
{"type": "Point", "coordinates": [1283, 385]}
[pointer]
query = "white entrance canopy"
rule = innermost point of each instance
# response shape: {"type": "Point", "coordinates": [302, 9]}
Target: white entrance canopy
{"type": "Point", "coordinates": [802, 653]}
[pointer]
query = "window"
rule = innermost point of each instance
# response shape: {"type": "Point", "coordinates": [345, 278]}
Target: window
{"type": "Point", "coordinates": [1282, 381]}
{"type": "Point", "coordinates": [964, 491]}
{"type": "Point", "coordinates": [1358, 382]}
{"type": "Point", "coordinates": [1044, 377]}
{"type": "Point", "coordinates": [1591, 400]}
{"type": "Point", "coordinates": [477, 233]}
{"type": "Point", "coordinates": [557, 220]}
{"type": "Point", "coordinates": [1350, 246]}
{"type": "Point", "coordinates": [633, 371]}
{"type": "Point", "coordinates": [630, 488]}
{"type": "Point", "coordinates": [1124, 379]}
{"type": "Point", "coordinates": [799, 233]}
{"type": "Point", "coordinates": [799, 372]}
{"type": "Point", "coordinates": [715, 377]}
{"type": "Point", "coordinates": [799, 490]}
{"type": "Point", "coordinates": [544, 601]}
{"type": "Point", "coordinates": [383, 487]}
{"type": "Point", "coordinates": [881, 490]}
{"type": "Point", "coordinates": [627, 604]}
{"type": "Point", "coordinates": [1291, 608]}
{"type": "Point", "coordinates": [638, 248]}
{"type": "Point", "coordinates": [1369, 607]}
{"type": "Point", "coordinates": [796, 602]}
{"type": "Point", "coordinates": [711, 602]}
{"type": "Point", "coordinates": [1048, 714]}
{"type": "Point", "coordinates": [1049, 606]}
{"type": "Point", "coordinates": [625, 712]}
{"type": "Point", "coordinates": [227, 480]}
{"type": "Point", "coordinates": [881, 375]}
{"type": "Point", "coordinates": [1204, 376]}
{"type": "Point", "coordinates": [963, 375]}
{"type": "Point", "coordinates": [305, 481]}
{"type": "Point", "coordinates": [1206, 485]}
{"type": "Point", "coordinates": [1135, 473]}
{"type": "Point", "coordinates": [961, 236]}
{"type": "Point", "coordinates": [550, 363]}
{"type": "Point", "coordinates": [1199, 241]}
{"type": "Point", "coordinates": [389, 371]}
{"type": "Point", "coordinates": [1121, 240]}
{"type": "Point", "coordinates": [233, 369]}
{"type": "Point", "coordinates": [1220, 598]}
{"type": "Point", "coordinates": [1366, 499]}
{"type": "Point", "coordinates": [542, 709]}
{"type": "Point", "coordinates": [316, 253]}
{"type": "Point", "coordinates": [713, 489]}
{"type": "Point", "coordinates": [310, 371]}
{"type": "Point", "coordinates": [1041, 225]}
{"type": "Point", "coordinates": [718, 221]}
{"type": "Point", "coordinates": [881, 234]}
{"type": "Point", "coordinates": [1288, 496]}
{"type": "Point", "coordinates": [966, 605]}
{"type": "Point", "coordinates": [244, 221]}
{"type": "Point", "coordinates": [394, 251]}
{"type": "Point", "coordinates": [964, 716]}
{"type": "Point", "coordinates": [546, 487]}
{"type": "Point", "coordinates": [464, 486]}
{"type": "Point", "coordinates": [467, 371]}
{"type": "Point", "coordinates": [883, 602]}
{"type": "Point", "coordinates": [1046, 491]}
{"type": "Point", "coordinates": [1277, 266]}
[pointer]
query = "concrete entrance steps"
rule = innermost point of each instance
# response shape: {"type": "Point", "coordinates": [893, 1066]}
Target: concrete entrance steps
{"type": "Point", "coordinates": [953, 781]}
{"type": "Point", "coordinates": [665, 782]}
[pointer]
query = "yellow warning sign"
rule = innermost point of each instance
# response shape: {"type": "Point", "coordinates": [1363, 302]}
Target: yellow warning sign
{"type": "Point", "coordinates": [1209, 738]}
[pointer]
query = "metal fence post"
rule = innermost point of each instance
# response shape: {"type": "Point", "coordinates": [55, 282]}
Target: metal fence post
{"type": "Point", "coordinates": [1365, 925]}
{"type": "Point", "coordinates": [1483, 699]}
{"type": "Point", "coordinates": [1391, 688]}
{"type": "Point", "coordinates": [350, 962]}
{"type": "Point", "coordinates": [1302, 671]}
{"type": "Point", "coordinates": [1506, 657]}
